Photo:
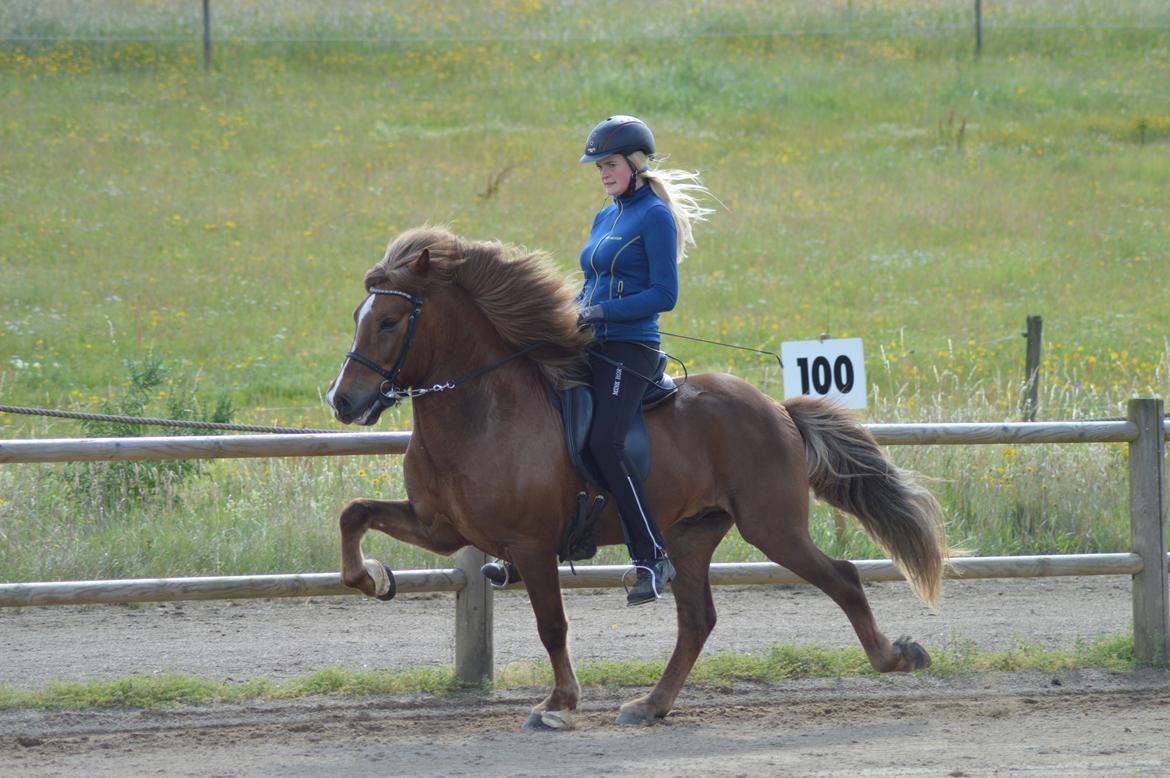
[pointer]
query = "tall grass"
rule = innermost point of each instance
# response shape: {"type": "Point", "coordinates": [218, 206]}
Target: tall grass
{"type": "Point", "coordinates": [879, 182]}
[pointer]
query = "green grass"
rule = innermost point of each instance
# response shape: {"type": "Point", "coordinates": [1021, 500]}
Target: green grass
{"type": "Point", "coordinates": [879, 182]}
{"type": "Point", "coordinates": [778, 664]}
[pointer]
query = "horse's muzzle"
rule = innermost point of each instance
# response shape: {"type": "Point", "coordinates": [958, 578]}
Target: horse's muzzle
{"type": "Point", "coordinates": [365, 413]}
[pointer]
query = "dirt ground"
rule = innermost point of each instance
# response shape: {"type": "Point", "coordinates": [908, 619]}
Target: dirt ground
{"type": "Point", "coordinates": [1070, 723]}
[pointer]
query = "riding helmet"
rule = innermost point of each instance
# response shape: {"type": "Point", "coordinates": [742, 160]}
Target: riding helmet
{"type": "Point", "coordinates": [618, 135]}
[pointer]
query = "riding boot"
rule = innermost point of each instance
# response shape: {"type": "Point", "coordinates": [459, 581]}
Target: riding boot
{"type": "Point", "coordinates": [500, 573]}
{"type": "Point", "coordinates": [652, 577]}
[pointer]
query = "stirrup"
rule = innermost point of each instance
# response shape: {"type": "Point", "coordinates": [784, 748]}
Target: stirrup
{"type": "Point", "coordinates": [500, 573]}
{"type": "Point", "coordinates": [651, 578]}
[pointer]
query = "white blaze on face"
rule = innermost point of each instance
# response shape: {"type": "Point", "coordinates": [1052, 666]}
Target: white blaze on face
{"type": "Point", "coordinates": [364, 311]}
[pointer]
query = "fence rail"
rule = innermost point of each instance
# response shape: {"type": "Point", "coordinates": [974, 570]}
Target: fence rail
{"type": "Point", "coordinates": [1145, 431]}
{"type": "Point", "coordinates": [23, 595]}
{"type": "Point", "coordinates": [341, 444]}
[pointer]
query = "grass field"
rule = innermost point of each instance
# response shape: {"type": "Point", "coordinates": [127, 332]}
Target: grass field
{"type": "Point", "coordinates": [877, 180]}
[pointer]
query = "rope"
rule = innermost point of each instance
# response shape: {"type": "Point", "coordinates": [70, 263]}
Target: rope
{"type": "Point", "coordinates": [154, 422]}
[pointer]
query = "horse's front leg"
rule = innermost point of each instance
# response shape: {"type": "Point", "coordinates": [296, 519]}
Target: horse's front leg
{"type": "Point", "coordinates": [397, 518]}
{"type": "Point", "coordinates": [540, 575]}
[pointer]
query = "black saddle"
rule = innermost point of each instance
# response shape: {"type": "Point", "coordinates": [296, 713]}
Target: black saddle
{"type": "Point", "coordinates": [576, 404]}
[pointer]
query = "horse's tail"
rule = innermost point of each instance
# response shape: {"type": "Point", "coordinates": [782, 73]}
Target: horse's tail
{"type": "Point", "coordinates": [848, 471]}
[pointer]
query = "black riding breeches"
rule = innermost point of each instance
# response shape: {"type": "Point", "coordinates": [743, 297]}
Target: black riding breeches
{"type": "Point", "coordinates": [617, 394]}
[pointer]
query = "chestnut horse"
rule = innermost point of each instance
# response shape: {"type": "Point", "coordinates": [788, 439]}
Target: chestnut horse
{"type": "Point", "coordinates": [475, 332]}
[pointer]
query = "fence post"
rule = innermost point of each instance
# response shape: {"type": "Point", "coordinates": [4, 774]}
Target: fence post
{"type": "Point", "coordinates": [1147, 526]}
{"type": "Point", "coordinates": [1032, 367]}
{"type": "Point", "coordinates": [474, 660]}
{"type": "Point", "coordinates": [207, 35]}
{"type": "Point", "coordinates": [978, 29]}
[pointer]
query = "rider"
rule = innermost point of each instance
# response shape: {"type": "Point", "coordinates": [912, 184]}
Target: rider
{"type": "Point", "coordinates": [630, 264]}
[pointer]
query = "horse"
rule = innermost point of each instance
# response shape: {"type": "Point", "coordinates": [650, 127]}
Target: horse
{"type": "Point", "coordinates": [475, 333]}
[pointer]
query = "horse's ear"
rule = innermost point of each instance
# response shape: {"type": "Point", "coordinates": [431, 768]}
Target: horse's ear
{"type": "Point", "coordinates": [422, 264]}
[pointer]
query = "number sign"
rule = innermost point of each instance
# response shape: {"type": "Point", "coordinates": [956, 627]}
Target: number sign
{"type": "Point", "coordinates": [825, 368]}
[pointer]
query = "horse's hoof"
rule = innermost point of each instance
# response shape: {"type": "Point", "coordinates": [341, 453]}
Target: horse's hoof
{"type": "Point", "coordinates": [913, 653]}
{"type": "Point", "coordinates": [547, 721]}
{"type": "Point", "coordinates": [384, 585]}
{"type": "Point", "coordinates": [636, 714]}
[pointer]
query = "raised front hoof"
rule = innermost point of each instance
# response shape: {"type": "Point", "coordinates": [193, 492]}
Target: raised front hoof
{"type": "Point", "coordinates": [548, 721]}
{"type": "Point", "coordinates": [912, 655]}
{"type": "Point", "coordinates": [385, 586]}
{"type": "Point", "coordinates": [638, 713]}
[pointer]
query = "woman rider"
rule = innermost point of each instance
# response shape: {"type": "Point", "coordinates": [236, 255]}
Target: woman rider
{"type": "Point", "coordinates": [630, 264]}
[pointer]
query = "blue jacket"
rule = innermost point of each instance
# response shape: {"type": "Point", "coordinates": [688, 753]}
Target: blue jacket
{"type": "Point", "coordinates": [630, 266]}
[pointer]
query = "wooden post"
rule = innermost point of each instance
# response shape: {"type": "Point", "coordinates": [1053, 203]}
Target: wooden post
{"type": "Point", "coordinates": [978, 29]}
{"type": "Point", "coordinates": [207, 35]}
{"type": "Point", "coordinates": [1147, 526]}
{"type": "Point", "coordinates": [1032, 367]}
{"type": "Point", "coordinates": [474, 660]}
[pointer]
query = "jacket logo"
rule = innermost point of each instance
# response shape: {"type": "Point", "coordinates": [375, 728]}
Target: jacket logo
{"type": "Point", "coordinates": [614, 237]}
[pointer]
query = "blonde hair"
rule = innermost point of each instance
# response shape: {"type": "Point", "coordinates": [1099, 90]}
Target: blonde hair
{"type": "Point", "coordinates": [682, 192]}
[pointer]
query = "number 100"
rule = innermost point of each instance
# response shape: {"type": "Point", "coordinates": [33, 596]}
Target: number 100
{"type": "Point", "coordinates": [824, 377]}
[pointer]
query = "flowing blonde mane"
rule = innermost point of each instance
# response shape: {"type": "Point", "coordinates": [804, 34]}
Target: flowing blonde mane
{"type": "Point", "coordinates": [519, 291]}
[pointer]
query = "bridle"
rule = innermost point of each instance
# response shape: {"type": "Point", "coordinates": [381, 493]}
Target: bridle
{"type": "Point", "coordinates": [389, 393]}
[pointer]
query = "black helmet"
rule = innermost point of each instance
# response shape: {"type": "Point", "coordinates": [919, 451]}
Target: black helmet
{"type": "Point", "coordinates": [618, 135]}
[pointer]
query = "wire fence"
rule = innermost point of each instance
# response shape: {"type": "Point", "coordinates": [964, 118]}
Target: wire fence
{"type": "Point", "coordinates": [680, 36]}
{"type": "Point", "coordinates": [600, 21]}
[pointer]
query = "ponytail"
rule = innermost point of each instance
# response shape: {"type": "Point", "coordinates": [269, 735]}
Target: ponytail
{"type": "Point", "coordinates": [682, 192]}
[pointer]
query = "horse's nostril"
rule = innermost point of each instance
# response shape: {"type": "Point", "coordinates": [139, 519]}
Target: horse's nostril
{"type": "Point", "coordinates": [341, 404]}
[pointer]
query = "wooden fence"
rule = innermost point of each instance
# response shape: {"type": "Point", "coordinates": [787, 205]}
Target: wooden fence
{"type": "Point", "coordinates": [1145, 431]}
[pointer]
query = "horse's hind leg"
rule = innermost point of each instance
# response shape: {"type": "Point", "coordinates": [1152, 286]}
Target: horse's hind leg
{"type": "Point", "coordinates": [691, 543]}
{"type": "Point", "coordinates": [779, 528]}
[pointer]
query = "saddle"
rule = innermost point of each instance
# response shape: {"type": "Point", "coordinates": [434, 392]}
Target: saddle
{"type": "Point", "coordinates": [576, 406]}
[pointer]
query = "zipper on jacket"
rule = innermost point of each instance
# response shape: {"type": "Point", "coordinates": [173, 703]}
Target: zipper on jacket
{"type": "Point", "coordinates": [613, 266]}
{"type": "Point", "coordinates": [596, 272]}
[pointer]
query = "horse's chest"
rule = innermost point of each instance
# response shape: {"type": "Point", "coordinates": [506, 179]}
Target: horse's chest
{"type": "Point", "coordinates": [478, 478]}
{"type": "Point", "coordinates": [454, 486]}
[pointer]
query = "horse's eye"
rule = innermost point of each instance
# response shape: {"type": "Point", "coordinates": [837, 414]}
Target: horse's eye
{"type": "Point", "coordinates": [388, 324]}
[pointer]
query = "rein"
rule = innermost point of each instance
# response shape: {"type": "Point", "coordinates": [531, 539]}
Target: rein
{"type": "Point", "coordinates": [389, 392]}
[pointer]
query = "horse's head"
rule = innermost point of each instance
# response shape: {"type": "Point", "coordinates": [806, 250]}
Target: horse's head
{"type": "Point", "coordinates": [486, 304]}
{"type": "Point", "coordinates": [385, 325]}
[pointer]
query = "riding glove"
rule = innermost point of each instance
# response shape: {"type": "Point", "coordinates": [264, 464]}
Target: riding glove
{"type": "Point", "coordinates": [588, 314]}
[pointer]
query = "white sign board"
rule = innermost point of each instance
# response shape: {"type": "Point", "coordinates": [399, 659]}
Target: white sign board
{"type": "Point", "coordinates": [825, 368]}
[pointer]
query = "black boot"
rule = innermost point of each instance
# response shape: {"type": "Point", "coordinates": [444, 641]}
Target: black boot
{"type": "Point", "coordinates": [652, 577]}
{"type": "Point", "coordinates": [500, 573]}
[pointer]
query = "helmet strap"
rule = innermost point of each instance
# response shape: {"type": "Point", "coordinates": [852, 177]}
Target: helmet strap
{"type": "Point", "coordinates": [634, 173]}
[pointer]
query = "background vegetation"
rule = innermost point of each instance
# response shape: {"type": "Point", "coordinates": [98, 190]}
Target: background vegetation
{"type": "Point", "coordinates": [877, 181]}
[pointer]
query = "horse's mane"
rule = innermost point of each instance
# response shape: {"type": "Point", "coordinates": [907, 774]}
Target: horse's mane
{"type": "Point", "coordinates": [519, 291]}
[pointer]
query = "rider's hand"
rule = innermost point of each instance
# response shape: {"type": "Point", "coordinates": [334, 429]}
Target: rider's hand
{"type": "Point", "coordinates": [589, 314]}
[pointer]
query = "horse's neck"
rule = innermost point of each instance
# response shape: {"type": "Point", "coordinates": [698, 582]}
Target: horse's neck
{"type": "Point", "coordinates": [485, 404]}
{"type": "Point", "coordinates": [482, 406]}
{"type": "Point", "coordinates": [474, 419]}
